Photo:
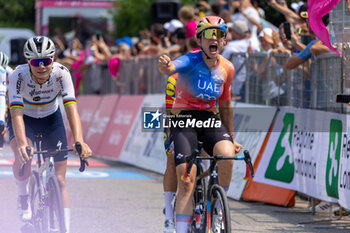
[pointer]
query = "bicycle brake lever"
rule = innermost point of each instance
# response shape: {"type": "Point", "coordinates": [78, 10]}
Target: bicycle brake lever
{"type": "Point", "coordinates": [79, 148]}
{"type": "Point", "coordinates": [83, 163]}
{"type": "Point", "coordinates": [248, 161]}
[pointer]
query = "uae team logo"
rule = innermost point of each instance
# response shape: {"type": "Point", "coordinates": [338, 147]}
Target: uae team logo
{"type": "Point", "coordinates": [334, 148]}
{"type": "Point", "coordinates": [152, 119]}
{"type": "Point", "coordinates": [281, 166]}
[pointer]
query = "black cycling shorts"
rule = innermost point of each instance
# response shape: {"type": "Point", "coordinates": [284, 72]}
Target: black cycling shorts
{"type": "Point", "coordinates": [52, 130]}
{"type": "Point", "coordinates": [186, 138]}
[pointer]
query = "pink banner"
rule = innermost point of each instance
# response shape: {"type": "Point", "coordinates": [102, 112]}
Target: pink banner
{"type": "Point", "coordinates": [87, 106]}
{"type": "Point", "coordinates": [77, 4]}
{"type": "Point", "coordinates": [119, 126]}
{"type": "Point", "coordinates": [100, 121]}
{"type": "Point", "coordinates": [316, 10]}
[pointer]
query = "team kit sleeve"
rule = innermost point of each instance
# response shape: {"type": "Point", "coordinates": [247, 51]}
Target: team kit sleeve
{"type": "Point", "coordinates": [182, 63]}
{"type": "Point", "coordinates": [67, 88]}
{"type": "Point", "coordinates": [170, 92]}
{"type": "Point", "coordinates": [15, 88]}
{"type": "Point", "coordinates": [2, 95]}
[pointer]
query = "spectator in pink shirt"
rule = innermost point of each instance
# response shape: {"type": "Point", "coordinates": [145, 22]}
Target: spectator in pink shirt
{"type": "Point", "coordinates": [187, 17]}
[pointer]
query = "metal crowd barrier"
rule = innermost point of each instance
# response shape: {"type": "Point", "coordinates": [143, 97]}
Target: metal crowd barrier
{"type": "Point", "coordinates": [260, 78]}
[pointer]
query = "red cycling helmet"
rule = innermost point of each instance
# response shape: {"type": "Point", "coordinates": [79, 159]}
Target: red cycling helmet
{"type": "Point", "coordinates": [210, 22]}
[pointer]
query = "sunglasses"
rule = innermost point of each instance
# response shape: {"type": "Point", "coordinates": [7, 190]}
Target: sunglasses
{"type": "Point", "coordinates": [41, 61]}
{"type": "Point", "coordinates": [208, 33]}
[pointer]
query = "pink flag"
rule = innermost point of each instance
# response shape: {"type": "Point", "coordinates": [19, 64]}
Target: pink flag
{"type": "Point", "coordinates": [316, 10]}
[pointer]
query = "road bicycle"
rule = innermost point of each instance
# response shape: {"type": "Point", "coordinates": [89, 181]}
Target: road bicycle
{"type": "Point", "coordinates": [209, 198]}
{"type": "Point", "coordinates": [44, 191]}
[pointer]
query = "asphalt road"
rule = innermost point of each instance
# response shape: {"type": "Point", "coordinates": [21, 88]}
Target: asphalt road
{"type": "Point", "coordinates": [122, 198]}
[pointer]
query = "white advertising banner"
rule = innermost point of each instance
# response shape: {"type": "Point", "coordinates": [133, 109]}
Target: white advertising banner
{"type": "Point", "coordinates": [251, 124]}
{"type": "Point", "coordinates": [308, 152]}
{"type": "Point", "coordinates": [146, 149]}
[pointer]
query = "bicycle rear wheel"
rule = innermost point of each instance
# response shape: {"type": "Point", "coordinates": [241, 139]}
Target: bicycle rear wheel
{"type": "Point", "coordinates": [55, 205]}
{"type": "Point", "coordinates": [39, 219]}
{"type": "Point", "coordinates": [219, 211]}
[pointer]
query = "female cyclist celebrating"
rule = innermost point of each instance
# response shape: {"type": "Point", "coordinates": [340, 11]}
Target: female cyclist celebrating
{"type": "Point", "coordinates": [204, 77]}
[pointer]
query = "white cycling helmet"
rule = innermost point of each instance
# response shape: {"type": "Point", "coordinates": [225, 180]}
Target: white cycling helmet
{"type": "Point", "coordinates": [39, 47]}
{"type": "Point", "coordinates": [4, 61]}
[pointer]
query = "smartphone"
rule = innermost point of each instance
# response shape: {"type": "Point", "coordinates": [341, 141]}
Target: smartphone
{"type": "Point", "coordinates": [341, 98]}
{"type": "Point", "coordinates": [286, 28]}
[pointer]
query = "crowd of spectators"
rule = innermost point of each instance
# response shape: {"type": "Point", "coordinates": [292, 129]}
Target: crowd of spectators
{"type": "Point", "coordinates": [248, 32]}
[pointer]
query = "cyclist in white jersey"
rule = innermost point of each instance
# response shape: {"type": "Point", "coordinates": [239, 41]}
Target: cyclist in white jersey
{"type": "Point", "coordinates": [4, 61]}
{"type": "Point", "coordinates": [33, 91]}
{"type": "Point", "coordinates": [3, 83]}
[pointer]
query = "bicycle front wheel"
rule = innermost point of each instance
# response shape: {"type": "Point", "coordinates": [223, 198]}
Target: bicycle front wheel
{"type": "Point", "coordinates": [55, 205]}
{"type": "Point", "coordinates": [36, 197]}
{"type": "Point", "coordinates": [220, 212]}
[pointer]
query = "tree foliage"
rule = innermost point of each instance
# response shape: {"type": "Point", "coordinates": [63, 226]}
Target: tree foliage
{"type": "Point", "coordinates": [17, 13]}
{"type": "Point", "coordinates": [131, 17]}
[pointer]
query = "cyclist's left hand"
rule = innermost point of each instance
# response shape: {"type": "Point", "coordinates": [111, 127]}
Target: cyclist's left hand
{"type": "Point", "coordinates": [238, 146]}
{"type": "Point", "coordinates": [86, 151]}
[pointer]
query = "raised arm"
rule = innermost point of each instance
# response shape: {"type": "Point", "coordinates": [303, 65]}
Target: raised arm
{"type": "Point", "coordinates": [165, 65]}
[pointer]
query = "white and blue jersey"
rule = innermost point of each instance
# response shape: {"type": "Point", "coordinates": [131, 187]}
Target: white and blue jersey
{"type": "Point", "coordinates": [2, 94]}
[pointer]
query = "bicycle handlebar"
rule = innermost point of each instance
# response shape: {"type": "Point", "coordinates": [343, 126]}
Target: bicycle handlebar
{"type": "Point", "coordinates": [191, 159]}
{"type": "Point", "coordinates": [78, 147]}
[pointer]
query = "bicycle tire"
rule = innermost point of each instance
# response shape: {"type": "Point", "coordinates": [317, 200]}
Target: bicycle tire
{"type": "Point", "coordinates": [217, 193]}
{"type": "Point", "coordinates": [55, 204]}
{"type": "Point", "coordinates": [36, 203]}
{"type": "Point", "coordinates": [204, 185]}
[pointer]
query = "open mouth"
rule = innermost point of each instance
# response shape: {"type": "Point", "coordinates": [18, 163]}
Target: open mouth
{"type": "Point", "coordinates": [213, 48]}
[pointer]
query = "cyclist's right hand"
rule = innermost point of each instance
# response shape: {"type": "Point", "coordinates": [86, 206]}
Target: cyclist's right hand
{"type": "Point", "coordinates": [165, 65]}
{"type": "Point", "coordinates": [22, 154]}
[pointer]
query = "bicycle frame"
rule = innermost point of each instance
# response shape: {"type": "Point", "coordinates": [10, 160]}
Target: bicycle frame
{"type": "Point", "coordinates": [212, 171]}
{"type": "Point", "coordinates": [45, 188]}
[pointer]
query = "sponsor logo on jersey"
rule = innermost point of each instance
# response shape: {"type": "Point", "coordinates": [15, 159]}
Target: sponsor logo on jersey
{"type": "Point", "coordinates": [19, 84]}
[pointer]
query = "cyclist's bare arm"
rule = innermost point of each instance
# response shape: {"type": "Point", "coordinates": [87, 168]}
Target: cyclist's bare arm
{"type": "Point", "coordinates": [20, 134]}
{"type": "Point", "coordinates": [226, 116]}
{"type": "Point", "coordinates": [75, 125]}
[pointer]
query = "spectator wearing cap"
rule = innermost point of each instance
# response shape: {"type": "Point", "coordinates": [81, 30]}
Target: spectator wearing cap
{"type": "Point", "coordinates": [239, 44]}
{"type": "Point", "coordinates": [173, 25]}
{"type": "Point", "coordinates": [249, 14]}
{"type": "Point", "coordinates": [269, 39]}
